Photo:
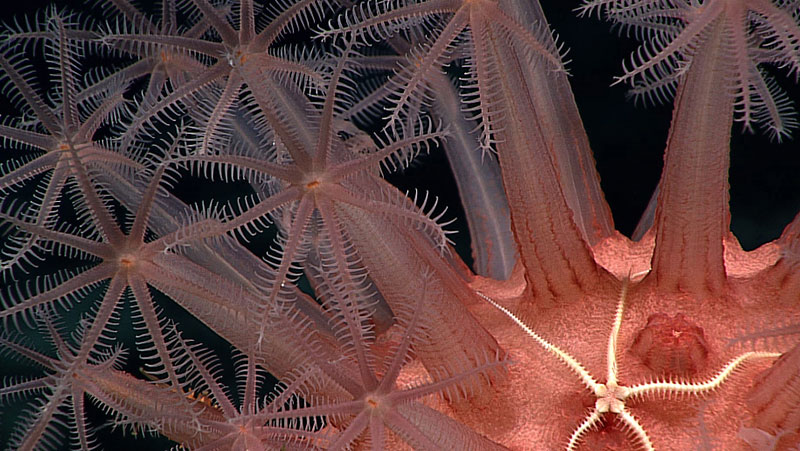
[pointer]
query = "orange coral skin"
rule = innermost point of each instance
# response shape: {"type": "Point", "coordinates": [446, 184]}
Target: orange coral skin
{"type": "Point", "coordinates": [671, 345]}
{"type": "Point", "coordinates": [540, 403]}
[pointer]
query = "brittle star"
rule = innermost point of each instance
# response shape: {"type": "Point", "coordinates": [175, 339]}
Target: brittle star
{"type": "Point", "coordinates": [611, 396]}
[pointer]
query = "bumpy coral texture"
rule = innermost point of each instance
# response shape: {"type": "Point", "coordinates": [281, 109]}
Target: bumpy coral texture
{"type": "Point", "coordinates": [216, 174]}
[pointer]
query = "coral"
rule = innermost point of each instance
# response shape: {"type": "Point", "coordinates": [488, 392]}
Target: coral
{"type": "Point", "coordinates": [671, 345]}
{"type": "Point", "coordinates": [774, 401]}
{"type": "Point", "coordinates": [230, 173]}
{"type": "Point", "coordinates": [614, 398]}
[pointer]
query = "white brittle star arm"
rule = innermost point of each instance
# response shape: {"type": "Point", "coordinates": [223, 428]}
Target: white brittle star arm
{"type": "Point", "coordinates": [568, 360]}
{"type": "Point", "coordinates": [631, 421]}
{"type": "Point", "coordinates": [611, 357]}
{"type": "Point", "coordinates": [588, 423]}
{"type": "Point", "coordinates": [696, 388]}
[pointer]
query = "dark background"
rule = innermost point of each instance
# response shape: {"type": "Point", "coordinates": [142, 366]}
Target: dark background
{"type": "Point", "coordinates": [628, 141]}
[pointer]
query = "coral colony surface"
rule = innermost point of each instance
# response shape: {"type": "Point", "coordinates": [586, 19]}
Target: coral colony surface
{"type": "Point", "coordinates": [212, 236]}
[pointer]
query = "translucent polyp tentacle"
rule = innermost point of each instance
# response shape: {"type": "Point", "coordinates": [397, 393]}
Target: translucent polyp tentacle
{"type": "Point", "coordinates": [394, 264]}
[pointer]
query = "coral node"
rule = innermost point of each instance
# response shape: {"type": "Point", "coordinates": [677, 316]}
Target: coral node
{"type": "Point", "coordinates": [673, 346]}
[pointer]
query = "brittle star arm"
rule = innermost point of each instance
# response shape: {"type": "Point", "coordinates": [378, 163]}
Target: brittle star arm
{"type": "Point", "coordinates": [562, 355]}
{"type": "Point", "coordinates": [587, 424]}
{"type": "Point", "coordinates": [612, 339]}
{"type": "Point", "coordinates": [697, 388]}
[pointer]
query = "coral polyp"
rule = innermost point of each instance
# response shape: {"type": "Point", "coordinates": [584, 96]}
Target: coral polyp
{"type": "Point", "coordinates": [223, 224]}
{"type": "Point", "coordinates": [671, 345]}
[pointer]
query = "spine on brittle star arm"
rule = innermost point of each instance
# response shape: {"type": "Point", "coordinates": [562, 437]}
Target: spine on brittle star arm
{"type": "Point", "coordinates": [693, 214]}
{"type": "Point", "coordinates": [396, 259]}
